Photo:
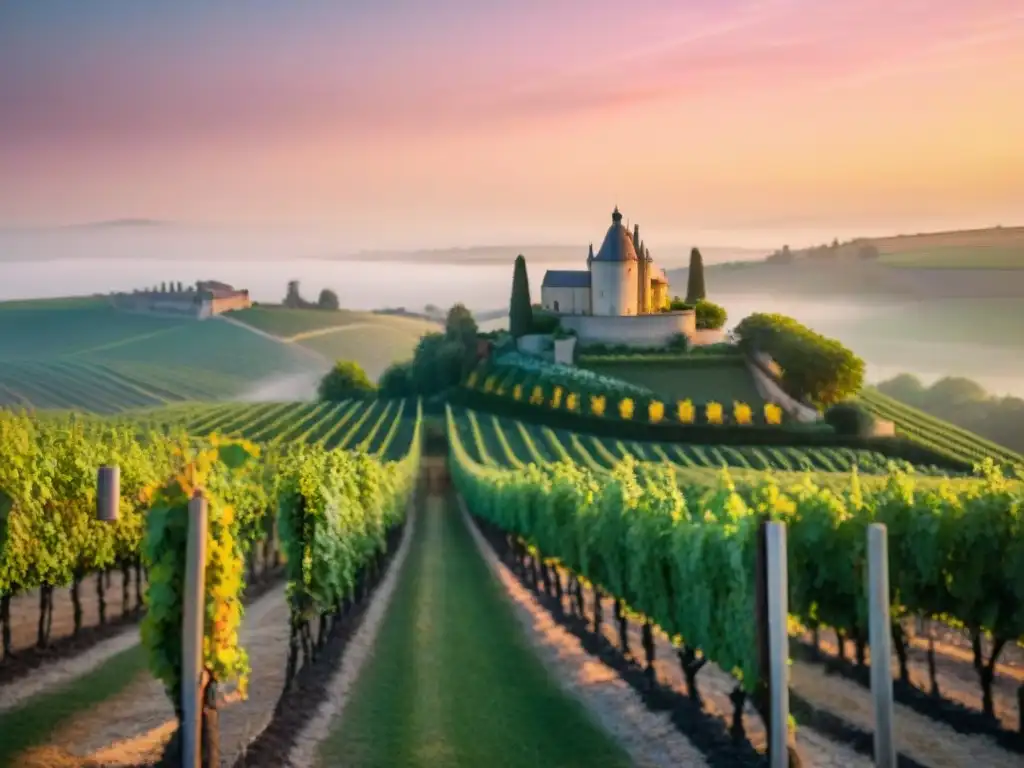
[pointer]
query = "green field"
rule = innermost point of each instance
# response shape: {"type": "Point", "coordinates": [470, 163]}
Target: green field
{"type": "Point", "coordinates": [958, 257]}
{"type": "Point", "coordinates": [937, 435]}
{"type": "Point", "coordinates": [495, 441]}
{"type": "Point", "coordinates": [993, 248]}
{"type": "Point", "coordinates": [452, 680]}
{"type": "Point", "coordinates": [287, 323]}
{"type": "Point", "coordinates": [374, 341]}
{"type": "Point", "coordinates": [701, 379]}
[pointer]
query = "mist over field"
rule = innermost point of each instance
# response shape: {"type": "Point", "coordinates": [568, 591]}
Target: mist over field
{"type": "Point", "coordinates": [893, 334]}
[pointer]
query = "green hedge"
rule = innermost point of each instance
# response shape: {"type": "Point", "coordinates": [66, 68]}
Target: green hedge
{"type": "Point", "coordinates": [611, 426]}
{"type": "Point", "coordinates": [814, 368]}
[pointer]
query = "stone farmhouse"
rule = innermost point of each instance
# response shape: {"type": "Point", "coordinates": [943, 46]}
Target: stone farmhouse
{"type": "Point", "coordinates": [206, 299]}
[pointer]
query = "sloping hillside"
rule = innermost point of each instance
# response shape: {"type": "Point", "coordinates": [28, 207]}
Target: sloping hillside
{"type": "Point", "coordinates": [373, 340]}
{"type": "Point", "coordinates": [86, 355]}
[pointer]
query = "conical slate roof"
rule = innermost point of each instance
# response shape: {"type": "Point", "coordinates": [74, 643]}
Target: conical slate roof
{"type": "Point", "coordinates": [618, 242]}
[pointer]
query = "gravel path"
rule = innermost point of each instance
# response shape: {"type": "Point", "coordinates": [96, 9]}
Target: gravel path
{"type": "Point", "coordinates": [649, 738]}
{"type": "Point", "coordinates": [133, 726]}
{"type": "Point", "coordinates": [928, 741]}
{"type": "Point", "coordinates": [63, 671]}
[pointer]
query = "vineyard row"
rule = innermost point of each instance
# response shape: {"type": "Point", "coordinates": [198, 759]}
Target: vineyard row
{"type": "Point", "coordinates": [683, 555]}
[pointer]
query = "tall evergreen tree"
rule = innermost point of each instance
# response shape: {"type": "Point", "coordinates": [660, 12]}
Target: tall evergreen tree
{"type": "Point", "coordinates": [520, 313]}
{"type": "Point", "coordinates": [695, 283]}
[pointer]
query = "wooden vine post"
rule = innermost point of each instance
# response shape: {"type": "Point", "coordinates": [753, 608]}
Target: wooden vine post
{"type": "Point", "coordinates": [193, 603]}
{"type": "Point", "coordinates": [879, 627]}
{"type": "Point", "coordinates": [771, 605]}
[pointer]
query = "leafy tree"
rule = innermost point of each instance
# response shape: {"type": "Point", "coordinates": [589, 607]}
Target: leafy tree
{"type": "Point", "coordinates": [292, 298]}
{"type": "Point", "coordinates": [397, 380]}
{"type": "Point", "coordinates": [814, 368]}
{"type": "Point", "coordinates": [710, 316]}
{"type": "Point", "coordinates": [345, 379]}
{"type": "Point", "coordinates": [953, 392]}
{"type": "Point", "coordinates": [695, 290]}
{"type": "Point", "coordinates": [328, 299]}
{"type": "Point", "coordinates": [678, 305]}
{"type": "Point", "coordinates": [906, 387]}
{"type": "Point", "coordinates": [438, 363]}
{"type": "Point", "coordinates": [520, 315]}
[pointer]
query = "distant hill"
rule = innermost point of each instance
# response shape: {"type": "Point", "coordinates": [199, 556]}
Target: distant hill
{"type": "Point", "coordinates": [120, 224]}
{"type": "Point", "coordinates": [666, 255]}
{"type": "Point", "coordinates": [940, 265]}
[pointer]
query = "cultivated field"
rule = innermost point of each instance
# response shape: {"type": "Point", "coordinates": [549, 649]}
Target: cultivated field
{"type": "Point", "coordinates": [81, 354]}
{"type": "Point", "coordinates": [935, 434]}
{"type": "Point", "coordinates": [379, 427]}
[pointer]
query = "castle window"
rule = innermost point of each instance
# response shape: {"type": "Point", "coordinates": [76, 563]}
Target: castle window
{"type": "Point", "coordinates": [556, 306]}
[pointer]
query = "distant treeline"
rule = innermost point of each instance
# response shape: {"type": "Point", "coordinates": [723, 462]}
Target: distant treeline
{"type": "Point", "coordinates": [966, 403]}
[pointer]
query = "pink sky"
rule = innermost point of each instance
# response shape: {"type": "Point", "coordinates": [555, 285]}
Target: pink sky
{"type": "Point", "coordinates": [453, 122]}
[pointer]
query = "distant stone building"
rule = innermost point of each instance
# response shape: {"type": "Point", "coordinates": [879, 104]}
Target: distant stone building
{"type": "Point", "coordinates": [621, 298]}
{"type": "Point", "coordinates": [621, 280]}
{"type": "Point", "coordinates": [206, 299]}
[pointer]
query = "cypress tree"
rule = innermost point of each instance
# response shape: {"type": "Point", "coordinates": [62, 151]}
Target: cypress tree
{"type": "Point", "coordinates": [695, 282]}
{"type": "Point", "coordinates": [520, 313]}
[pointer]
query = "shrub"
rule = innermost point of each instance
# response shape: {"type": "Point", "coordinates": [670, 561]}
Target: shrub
{"type": "Point", "coordinates": [850, 420]}
{"type": "Point", "coordinates": [679, 341]}
{"type": "Point", "coordinates": [328, 299]}
{"type": "Point", "coordinates": [544, 322]}
{"type": "Point", "coordinates": [710, 316]}
{"type": "Point", "coordinates": [814, 368]}
{"type": "Point", "coordinates": [397, 381]}
{"type": "Point", "coordinates": [345, 379]}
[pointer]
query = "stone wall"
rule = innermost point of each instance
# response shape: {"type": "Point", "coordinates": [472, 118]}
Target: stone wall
{"type": "Point", "coordinates": [770, 390]}
{"type": "Point", "coordinates": [571, 301]}
{"type": "Point", "coordinates": [564, 349]}
{"type": "Point", "coordinates": [632, 330]}
{"type": "Point", "coordinates": [534, 343]}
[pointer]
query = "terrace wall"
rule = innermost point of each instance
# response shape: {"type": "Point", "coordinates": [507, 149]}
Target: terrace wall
{"type": "Point", "coordinates": [773, 393]}
{"type": "Point", "coordinates": [631, 330]}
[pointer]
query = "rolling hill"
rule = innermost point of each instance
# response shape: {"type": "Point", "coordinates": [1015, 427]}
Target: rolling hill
{"type": "Point", "coordinates": [82, 354]}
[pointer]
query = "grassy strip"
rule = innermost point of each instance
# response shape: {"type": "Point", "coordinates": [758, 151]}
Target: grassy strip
{"type": "Point", "coordinates": [33, 722]}
{"type": "Point", "coordinates": [452, 680]}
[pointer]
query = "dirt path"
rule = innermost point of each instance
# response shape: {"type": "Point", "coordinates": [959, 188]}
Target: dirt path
{"type": "Point", "coordinates": [134, 725]}
{"type": "Point", "coordinates": [327, 331]}
{"type": "Point", "coordinates": [954, 662]}
{"type": "Point", "coordinates": [928, 741]}
{"type": "Point", "coordinates": [62, 671]}
{"type": "Point", "coordinates": [358, 650]}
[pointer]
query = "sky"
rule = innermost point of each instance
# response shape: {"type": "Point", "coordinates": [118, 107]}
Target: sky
{"type": "Point", "coordinates": [407, 123]}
